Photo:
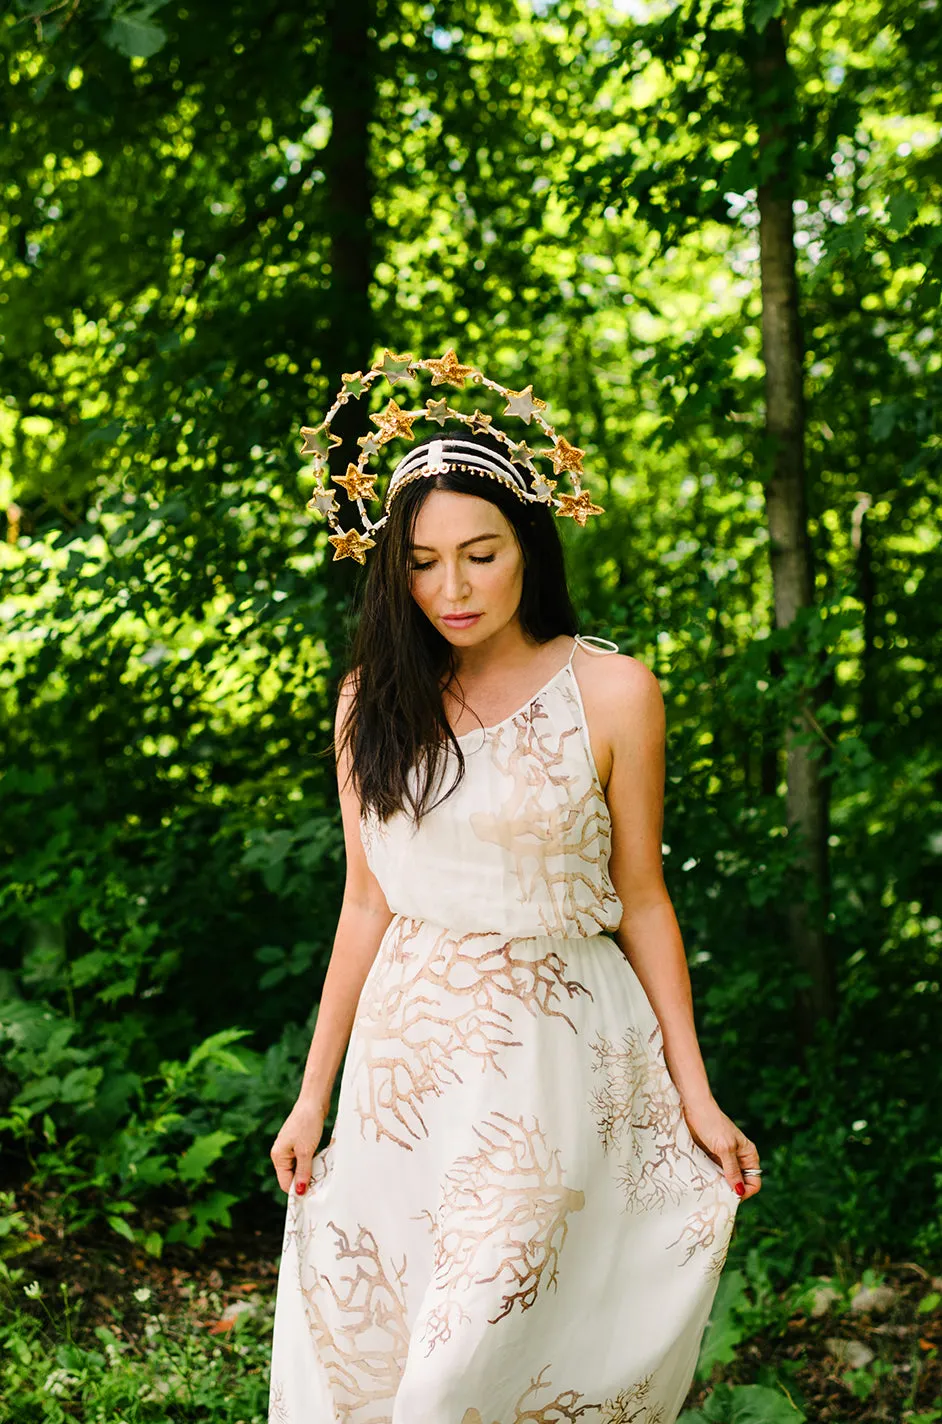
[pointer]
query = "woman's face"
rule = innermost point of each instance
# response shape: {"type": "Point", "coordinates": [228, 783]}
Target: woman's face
{"type": "Point", "coordinates": [467, 567]}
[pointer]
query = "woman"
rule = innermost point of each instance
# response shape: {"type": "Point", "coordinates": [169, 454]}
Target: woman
{"type": "Point", "coordinates": [530, 1190]}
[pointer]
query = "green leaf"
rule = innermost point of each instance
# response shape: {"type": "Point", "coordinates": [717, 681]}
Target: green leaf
{"type": "Point", "coordinates": [744, 1404]}
{"type": "Point", "coordinates": [212, 1048]}
{"type": "Point", "coordinates": [195, 1162]}
{"type": "Point", "coordinates": [154, 1244]}
{"type": "Point", "coordinates": [765, 10]}
{"type": "Point", "coordinates": [902, 208]}
{"type": "Point", "coordinates": [106, 434]}
{"type": "Point", "coordinates": [118, 1224]}
{"type": "Point", "coordinates": [270, 954]}
{"type": "Point", "coordinates": [120, 989]}
{"type": "Point", "coordinates": [883, 420]}
{"type": "Point", "coordinates": [20, 1348]}
{"type": "Point", "coordinates": [135, 35]}
{"type": "Point", "coordinates": [757, 1404]}
{"type": "Point", "coordinates": [724, 1330]}
{"type": "Point", "coordinates": [79, 1085]}
{"type": "Point", "coordinates": [214, 1211]}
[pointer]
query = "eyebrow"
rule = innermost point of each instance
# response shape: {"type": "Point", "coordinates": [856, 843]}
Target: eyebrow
{"type": "Point", "coordinates": [463, 545]}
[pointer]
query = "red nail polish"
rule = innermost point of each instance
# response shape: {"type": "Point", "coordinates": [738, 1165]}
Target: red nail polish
{"type": "Point", "coordinates": [301, 1188]}
{"type": "Point", "coordinates": [739, 1189]}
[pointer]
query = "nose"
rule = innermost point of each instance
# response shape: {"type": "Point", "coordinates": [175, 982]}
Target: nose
{"type": "Point", "coordinates": [455, 582]}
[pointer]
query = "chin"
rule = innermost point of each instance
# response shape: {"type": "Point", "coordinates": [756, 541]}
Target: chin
{"type": "Point", "coordinates": [464, 637]}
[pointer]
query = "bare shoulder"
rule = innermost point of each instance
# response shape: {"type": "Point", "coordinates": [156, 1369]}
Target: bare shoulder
{"type": "Point", "coordinates": [347, 685]}
{"type": "Point", "coordinates": [618, 683]}
{"type": "Point", "coordinates": [345, 694]}
{"type": "Point", "coordinates": [624, 710]}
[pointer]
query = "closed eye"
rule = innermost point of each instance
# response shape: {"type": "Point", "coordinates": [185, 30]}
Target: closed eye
{"type": "Point", "coordinates": [475, 559]}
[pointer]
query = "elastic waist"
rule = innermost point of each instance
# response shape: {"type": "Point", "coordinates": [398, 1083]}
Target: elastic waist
{"type": "Point", "coordinates": [499, 934]}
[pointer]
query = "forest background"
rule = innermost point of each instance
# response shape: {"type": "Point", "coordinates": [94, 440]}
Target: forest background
{"type": "Point", "coordinates": [709, 236]}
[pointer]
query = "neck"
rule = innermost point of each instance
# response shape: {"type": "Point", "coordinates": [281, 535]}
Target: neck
{"type": "Point", "coordinates": [501, 658]}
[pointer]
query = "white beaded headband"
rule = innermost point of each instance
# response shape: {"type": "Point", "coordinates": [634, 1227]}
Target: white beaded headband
{"type": "Point", "coordinates": [438, 456]}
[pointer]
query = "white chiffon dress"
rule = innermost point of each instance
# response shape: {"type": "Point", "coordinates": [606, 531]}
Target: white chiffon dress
{"type": "Point", "coordinates": [511, 1221]}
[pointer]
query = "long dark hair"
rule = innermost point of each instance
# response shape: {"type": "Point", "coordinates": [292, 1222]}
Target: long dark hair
{"type": "Point", "coordinates": [395, 723]}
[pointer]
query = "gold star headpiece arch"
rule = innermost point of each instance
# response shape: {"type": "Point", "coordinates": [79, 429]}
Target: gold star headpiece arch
{"type": "Point", "coordinates": [516, 470]}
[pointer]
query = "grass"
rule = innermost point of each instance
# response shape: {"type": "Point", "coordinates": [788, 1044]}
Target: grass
{"type": "Point", "coordinates": [96, 1331]}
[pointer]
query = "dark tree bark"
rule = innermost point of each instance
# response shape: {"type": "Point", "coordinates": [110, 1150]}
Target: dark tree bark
{"type": "Point", "coordinates": [786, 507]}
{"type": "Point", "coordinates": [350, 63]}
{"type": "Point", "coordinates": [867, 592]}
{"type": "Point", "coordinates": [350, 79]}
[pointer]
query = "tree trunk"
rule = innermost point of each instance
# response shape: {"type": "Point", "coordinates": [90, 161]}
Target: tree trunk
{"type": "Point", "coordinates": [867, 593]}
{"type": "Point", "coordinates": [350, 62]}
{"type": "Point", "coordinates": [350, 77]}
{"type": "Point", "coordinates": [790, 544]}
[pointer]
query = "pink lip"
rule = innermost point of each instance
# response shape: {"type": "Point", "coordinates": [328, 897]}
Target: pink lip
{"type": "Point", "coordinates": [460, 620]}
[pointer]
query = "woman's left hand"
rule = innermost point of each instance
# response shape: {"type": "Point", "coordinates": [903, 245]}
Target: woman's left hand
{"type": "Point", "coordinates": [722, 1140]}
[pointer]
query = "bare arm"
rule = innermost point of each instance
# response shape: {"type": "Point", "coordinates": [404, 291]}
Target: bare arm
{"type": "Point", "coordinates": [632, 717]}
{"type": "Point", "coordinates": [649, 935]}
{"type": "Point", "coordinates": [364, 918]}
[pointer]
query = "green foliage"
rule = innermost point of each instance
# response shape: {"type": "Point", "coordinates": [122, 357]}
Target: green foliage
{"type": "Point", "coordinates": [749, 1303]}
{"type": "Point", "coordinates": [57, 1371]}
{"type": "Point", "coordinates": [744, 1404]}
{"type": "Point", "coordinates": [569, 197]}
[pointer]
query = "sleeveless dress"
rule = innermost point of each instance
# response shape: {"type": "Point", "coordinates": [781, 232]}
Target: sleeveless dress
{"type": "Point", "coordinates": [511, 1221]}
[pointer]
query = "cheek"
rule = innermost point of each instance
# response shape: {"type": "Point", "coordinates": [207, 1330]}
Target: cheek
{"type": "Point", "coordinates": [505, 581]}
{"type": "Point", "coordinates": [419, 588]}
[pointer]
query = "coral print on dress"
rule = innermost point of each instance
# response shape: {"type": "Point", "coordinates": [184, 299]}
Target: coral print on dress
{"type": "Point", "coordinates": [512, 1222]}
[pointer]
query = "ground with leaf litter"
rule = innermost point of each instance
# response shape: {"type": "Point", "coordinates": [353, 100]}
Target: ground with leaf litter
{"type": "Point", "coordinates": [864, 1348]}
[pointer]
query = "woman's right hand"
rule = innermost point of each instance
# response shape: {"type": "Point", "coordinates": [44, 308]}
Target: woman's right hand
{"type": "Point", "coordinates": [294, 1147]}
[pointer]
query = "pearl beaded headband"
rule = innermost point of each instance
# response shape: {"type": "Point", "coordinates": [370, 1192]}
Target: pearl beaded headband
{"type": "Point", "coordinates": [436, 457]}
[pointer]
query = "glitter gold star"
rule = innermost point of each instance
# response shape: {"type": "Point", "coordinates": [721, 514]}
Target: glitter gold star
{"type": "Point", "coordinates": [577, 507]}
{"type": "Point", "coordinates": [354, 385]}
{"type": "Point", "coordinates": [357, 483]}
{"type": "Point", "coordinates": [350, 544]}
{"type": "Point", "coordinates": [480, 422]}
{"type": "Point", "coordinates": [448, 368]}
{"type": "Point", "coordinates": [322, 501]}
{"type": "Point", "coordinates": [523, 404]}
{"type": "Point", "coordinates": [437, 410]}
{"type": "Point", "coordinates": [318, 440]}
{"type": "Point", "coordinates": [566, 457]}
{"type": "Point", "coordinates": [396, 368]}
{"type": "Point", "coordinates": [393, 422]}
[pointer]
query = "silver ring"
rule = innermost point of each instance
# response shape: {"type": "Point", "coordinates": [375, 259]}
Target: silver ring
{"type": "Point", "coordinates": [752, 1171]}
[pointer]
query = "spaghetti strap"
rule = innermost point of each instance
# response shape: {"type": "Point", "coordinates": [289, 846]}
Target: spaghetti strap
{"type": "Point", "coordinates": [585, 640]}
{"type": "Point", "coordinates": [582, 640]}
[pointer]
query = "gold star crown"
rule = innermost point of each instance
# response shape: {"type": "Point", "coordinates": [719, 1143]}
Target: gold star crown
{"type": "Point", "coordinates": [517, 470]}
